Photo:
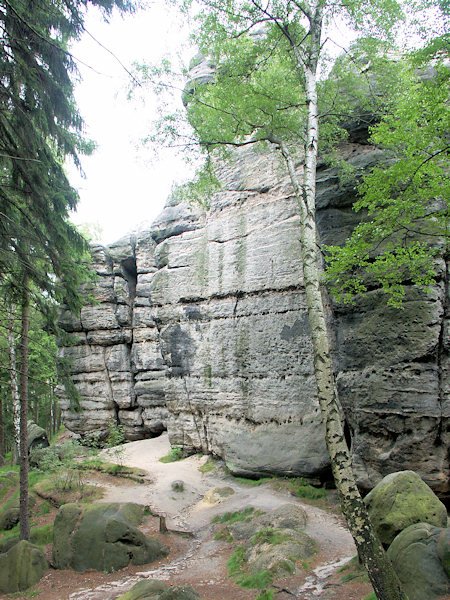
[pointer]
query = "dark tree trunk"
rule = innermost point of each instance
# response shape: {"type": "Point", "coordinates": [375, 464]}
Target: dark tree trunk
{"type": "Point", "coordinates": [23, 458]}
{"type": "Point", "coordinates": [2, 437]}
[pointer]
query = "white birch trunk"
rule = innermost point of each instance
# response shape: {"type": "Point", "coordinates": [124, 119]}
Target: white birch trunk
{"type": "Point", "coordinates": [383, 578]}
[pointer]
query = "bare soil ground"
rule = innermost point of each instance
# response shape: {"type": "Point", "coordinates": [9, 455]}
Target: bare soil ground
{"type": "Point", "coordinates": [196, 558]}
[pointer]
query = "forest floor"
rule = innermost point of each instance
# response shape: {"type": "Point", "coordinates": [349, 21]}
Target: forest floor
{"type": "Point", "coordinates": [195, 557]}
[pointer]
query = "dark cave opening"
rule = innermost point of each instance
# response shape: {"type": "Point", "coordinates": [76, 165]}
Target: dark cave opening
{"type": "Point", "coordinates": [129, 271]}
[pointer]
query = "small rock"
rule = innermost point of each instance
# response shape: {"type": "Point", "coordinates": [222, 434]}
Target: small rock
{"type": "Point", "coordinates": [9, 518]}
{"type": "Point", "coordinates": [217, 495]}
{"type": "Point", "coordinates": [178, 485]}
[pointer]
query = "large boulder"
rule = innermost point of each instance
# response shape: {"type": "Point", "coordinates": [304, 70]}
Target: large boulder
{"type": "Point", "coordinates": [21, 567]}
{"type": "Point", "coordinates": [36, 437]}
{"type": "Point", "coordinates": [414, 556]}
{"type": "Point", "coordinates": [402, 499]}
{"type": "Point", "coordinates": [157, 590]}
{"type": "Point", "coordinates": [9, 517]}
{"type": "Point", "coordinates": [102, 536]}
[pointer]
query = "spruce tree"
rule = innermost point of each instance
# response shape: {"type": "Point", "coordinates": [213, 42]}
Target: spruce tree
{"type": "Point", "coordinates": [41, 252]}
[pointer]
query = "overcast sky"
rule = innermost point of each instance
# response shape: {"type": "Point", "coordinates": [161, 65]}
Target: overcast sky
{"type": "Point", "coordinates": [123, 185]}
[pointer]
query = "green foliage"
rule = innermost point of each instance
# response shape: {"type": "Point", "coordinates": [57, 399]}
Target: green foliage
{"type": "Point", "coordinates": [173, 455]}
{"type": "Point", "coordinates": [236, 562]}
{"type": "Point", "coordinates": [115, 441]}
{"type": "Point", "coordinates": [371, 596]}
{"type": "Point", "coordinates": [405, 199]}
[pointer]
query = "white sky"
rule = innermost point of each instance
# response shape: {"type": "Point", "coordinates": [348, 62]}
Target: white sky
{"type": "Point", "coordinates": [123, 187]}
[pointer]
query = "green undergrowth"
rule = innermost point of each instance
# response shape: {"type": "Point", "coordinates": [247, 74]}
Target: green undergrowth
{"type": "Point", "coordinates": [353, 570]}
{"type": "Point", "coordinates": [39, 536]}
{"type": "Point", "coordinates": [25, 594]}
{"type": "Point", "coordinates": [371, 596]}
{"type": "Point", "coordinates": [173, 455]}
{"type": "Point", "coordinates": [260, 580]}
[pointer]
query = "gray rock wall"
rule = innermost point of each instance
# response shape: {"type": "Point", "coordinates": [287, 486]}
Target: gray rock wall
{"type": "Point", "coordinates": [201, 328]}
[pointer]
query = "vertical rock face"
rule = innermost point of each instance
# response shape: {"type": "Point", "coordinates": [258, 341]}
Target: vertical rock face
{"type": "Point", "coordinates": [201, 328]}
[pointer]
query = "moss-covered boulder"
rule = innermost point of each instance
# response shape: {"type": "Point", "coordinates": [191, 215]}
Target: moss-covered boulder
{"type": "Point", "coordinates": [9, 518]}
{"type": "Point", "coordinates": [157, 590]}
{"type": "Point", "coordinates": [443, 550]}
{"type": "Point", "coordinates": [414, 556]}
{"type": "Point", "coordinates": [144, 589]}
{"type": "Point", "coordinates": [21, 567]}
{"type": "Point", "coordinates": [102, 536]}
{"type": "Point", "coordinates": [278, 551]}
{"type": "Point", "coordinates": [402, 499]}
{"type": "Point", "coordinates": [36, 437]}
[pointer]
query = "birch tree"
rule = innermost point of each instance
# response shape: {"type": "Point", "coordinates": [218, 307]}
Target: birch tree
{"type": "Point", "coordinates": [266, 90]}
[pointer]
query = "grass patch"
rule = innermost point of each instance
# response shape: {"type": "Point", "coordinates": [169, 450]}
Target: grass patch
{"type": "Point", "coordinates": [256, 581]}
{"type": "Point", "coordinates": [174, 455]}
{"type": "Point", "coordinates": [302, 489]}
{"type": "Point", "coordinates": [208, 466]}
{"type": "Point", "coordinates": [234, 517]}
{"type": "Point", "coordinates": [25, 594]}
{"type": "Point", "coordinates": [349, 577]}
{"type": "Point", "coordinates": [371, 596]}
{"type": "Point", "coordinates": [266, 595]}
{"type": "Point", "coordinates": [41, 536]}
{"type": "Point", "coordinates": [45, 507]}
{"type": "Point", "coordinates": [223, 535]}
{"type": "Point", "coordinates": [236, 562]}
{"type": "Point", "coordinates": [64, 487]}
{"type": "Point", "coordinates": [252, 482]}
{"type": "Point", "coordinates": [269, 536]}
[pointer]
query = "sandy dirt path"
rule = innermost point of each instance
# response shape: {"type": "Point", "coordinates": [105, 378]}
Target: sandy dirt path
{"type": "Point", "coordinates": [203, 563]}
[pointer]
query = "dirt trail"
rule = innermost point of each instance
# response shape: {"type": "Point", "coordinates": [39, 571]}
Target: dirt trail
{"type": "Point", "coordinates": [203, 563]}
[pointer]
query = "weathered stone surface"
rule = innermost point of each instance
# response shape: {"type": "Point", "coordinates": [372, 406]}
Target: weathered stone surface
{"type": "Point", "coordinates": [21, 566]}
{"type": "Point", "coordinates": [400, 500]}
{"type": "Point", "coordinates": [414, 557]}
{"type": "Point", "coordinates": [103, 537]}
{"type": "Point", "coordinates": [36, 437]}
{"type": "Point", "coordinates": [208, 320]}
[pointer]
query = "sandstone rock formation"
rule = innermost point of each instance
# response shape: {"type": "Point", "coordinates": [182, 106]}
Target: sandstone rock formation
{"type": "Point", "coordinates": [201, 328]}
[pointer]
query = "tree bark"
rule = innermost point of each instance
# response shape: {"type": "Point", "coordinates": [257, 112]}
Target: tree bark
{"type": "Point", "coordinates": [2, 437]}
{"type": "Point", "coordinates": [381, 573]}
{"type": "Point", "coordinates": [15, 399]}
{"type": "Point", "coordinates": [23, 448]}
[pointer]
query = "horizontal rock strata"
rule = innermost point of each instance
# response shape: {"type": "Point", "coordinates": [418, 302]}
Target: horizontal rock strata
{"type": "Point", "coordinates": [201, 328]}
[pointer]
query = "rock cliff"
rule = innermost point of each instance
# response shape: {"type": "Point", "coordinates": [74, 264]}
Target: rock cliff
{"type": "Point", "coordinates": [201, 328]}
